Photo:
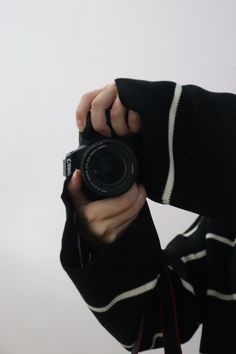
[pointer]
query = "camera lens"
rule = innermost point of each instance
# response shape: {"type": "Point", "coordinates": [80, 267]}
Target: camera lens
{"type": "Point", "coordinates": [109, 169]}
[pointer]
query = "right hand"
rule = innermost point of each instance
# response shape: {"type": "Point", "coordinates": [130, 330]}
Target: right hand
{"type": "Point", "coordinates": [98, 101]}
{"type": "Point", "coordinates": [104, 220]}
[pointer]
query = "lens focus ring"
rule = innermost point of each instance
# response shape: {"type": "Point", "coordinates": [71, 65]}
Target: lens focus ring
{"type": "Point", "coordinates": [108, 168]}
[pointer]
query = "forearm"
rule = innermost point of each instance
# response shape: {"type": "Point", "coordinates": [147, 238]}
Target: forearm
{"type": "Point", "coordinates": [189, 145]}
{"type": "Point", "coordinates": [121, 284]}
{"type": "Point", "coordinates": [112, 282]}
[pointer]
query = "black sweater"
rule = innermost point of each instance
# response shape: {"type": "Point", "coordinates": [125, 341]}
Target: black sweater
{"type": "Point", "coordinates": [189, 158]}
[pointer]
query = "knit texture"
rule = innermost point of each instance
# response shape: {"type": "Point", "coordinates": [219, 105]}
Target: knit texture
{"type": "Point", "coordinates": [188, 153]}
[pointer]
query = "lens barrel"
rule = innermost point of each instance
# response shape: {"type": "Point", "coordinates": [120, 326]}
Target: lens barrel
{"type": "Point", "coordinates": [108, 168]}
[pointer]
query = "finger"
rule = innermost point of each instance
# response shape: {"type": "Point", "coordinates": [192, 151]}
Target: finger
{"type": "Point", "coordinates": [100, 104]}
{"type": "Point", "coordinates": [109, 207]}
{"type": "Point", "coordinates": [116, 232]}
{"type": "Point", "coordinates": [78, 198]}
{"type": "Point", "coordinates": [134, 122]}
{"type": "Point", "coordinates": [131, 212]}
{"type": "Point", "coordinates": [118, 122]}
{"type": "Point", "coordinates": [119, 223]}
{"type": "Point", "coordinates": [84, 106]}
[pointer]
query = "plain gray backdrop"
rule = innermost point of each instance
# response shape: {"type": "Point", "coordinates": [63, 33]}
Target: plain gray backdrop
{"type": "Point", "coordinates": [51, 53]}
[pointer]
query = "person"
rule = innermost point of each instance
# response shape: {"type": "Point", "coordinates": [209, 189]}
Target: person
{"type": "Point", "coordinates": [145, 296]}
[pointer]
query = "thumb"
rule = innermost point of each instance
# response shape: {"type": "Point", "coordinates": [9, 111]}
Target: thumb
{"type": "Point", "coordinates": [75, 190]}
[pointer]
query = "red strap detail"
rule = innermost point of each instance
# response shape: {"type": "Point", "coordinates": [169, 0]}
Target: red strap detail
{"type": "Point", "coordinates": [136, 347]}
{"type": "Point", "coordinates": [174, 307]}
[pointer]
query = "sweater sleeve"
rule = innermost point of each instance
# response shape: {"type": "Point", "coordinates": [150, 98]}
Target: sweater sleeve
{"type": "Point", "coordinates": [124, 285]}
{"type": "Point", "coordinates": [188, 156]}
{"type": "Point", "coordinates": [189, 145]}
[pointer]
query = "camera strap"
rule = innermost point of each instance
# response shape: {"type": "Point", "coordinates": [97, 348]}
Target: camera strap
{"type": "Point", "coordinates": [168, 316]}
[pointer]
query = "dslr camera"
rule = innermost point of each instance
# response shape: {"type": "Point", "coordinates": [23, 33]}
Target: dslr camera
{"type": "Point", "coordinates": [108, 166]}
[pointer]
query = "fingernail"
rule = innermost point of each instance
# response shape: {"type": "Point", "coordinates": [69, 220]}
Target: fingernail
{"type": "Point", "coordinates": [75, 175]}
{"type": "Point", "coordinates": [81, 125]}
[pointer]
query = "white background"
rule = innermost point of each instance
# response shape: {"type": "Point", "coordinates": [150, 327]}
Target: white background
{"type": "Point", "coordinates": [51, 52]}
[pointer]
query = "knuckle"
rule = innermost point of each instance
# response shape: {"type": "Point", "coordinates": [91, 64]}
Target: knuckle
{"type": "Point", "coordinates": [110, 239]}
{"type": "Point", "coordinates": [99, 229]}
{"type": "Point", "coordinates": [85, 96]}
{"type": "Point", "coordinates": [111, 235]}
{"type": "Point", "coordinates": [89, 215]}
{"type": "Point", "coordinates": [126, 200]}
{"type": "Point", "coordinates": [111, 86]}
{"type": "Point", "coordinates": [95, 104]}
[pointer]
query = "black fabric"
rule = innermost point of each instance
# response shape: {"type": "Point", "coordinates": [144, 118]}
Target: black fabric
{"type": "Point", "coordinates": [118, 284]}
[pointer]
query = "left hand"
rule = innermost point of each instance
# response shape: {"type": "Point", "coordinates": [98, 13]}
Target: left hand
{"type": "Point", "coordinates": [98, 101]}
{"type": "Point", "coordinates": [101, 222]}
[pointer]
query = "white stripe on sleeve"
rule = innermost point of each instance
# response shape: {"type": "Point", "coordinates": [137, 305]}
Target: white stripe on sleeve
{"type": "Point", "coordinates": [193, 256]}
{"type": "Point", "coordinates": [221, 296]}
{"type": "Point", "coordinates": [171, 175]}
{"type": "Point", "coordinates": [220, 239]}
{"type": "Point", "coordinates": [126, 295]}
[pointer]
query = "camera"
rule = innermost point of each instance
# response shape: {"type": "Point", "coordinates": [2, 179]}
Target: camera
{"type": "Point", "coordinates": [108, 166]}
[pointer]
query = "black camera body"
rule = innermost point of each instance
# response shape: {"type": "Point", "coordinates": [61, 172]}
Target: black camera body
{"type": "Point", "coordinates": [108, 166]}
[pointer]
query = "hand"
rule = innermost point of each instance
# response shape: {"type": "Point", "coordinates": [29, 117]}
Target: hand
{"type": "Point", "coordinates": [98, 101]}
{"type": "Point", "coordinates": [104, 220]}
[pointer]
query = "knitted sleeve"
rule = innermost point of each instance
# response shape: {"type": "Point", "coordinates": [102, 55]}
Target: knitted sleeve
{"type": "Point", "coordinates": [189, 145]}
{"type": "Point", "coordinates": [188, 156]}
{"type": "Point", "coordinates": [125, 285]}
